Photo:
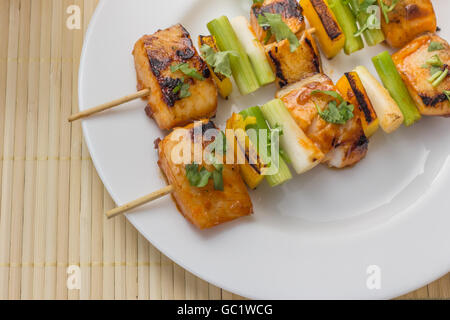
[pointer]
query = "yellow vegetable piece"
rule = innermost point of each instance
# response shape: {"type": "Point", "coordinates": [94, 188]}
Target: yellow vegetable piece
{"type": "Point", "coordinates": [224, 84]}
{"type": "Point", "coordinates": [329, 33]}
{"type": "Point", "coordinates": [244, 149]}
{"type": "Point", "coordinates": [352, 90]}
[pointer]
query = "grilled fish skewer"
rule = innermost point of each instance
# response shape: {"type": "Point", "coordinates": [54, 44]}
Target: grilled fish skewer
{"type": "Point", "coordinates": [223, 198]}
{"type": "Point", "coordinates": [172, 77]}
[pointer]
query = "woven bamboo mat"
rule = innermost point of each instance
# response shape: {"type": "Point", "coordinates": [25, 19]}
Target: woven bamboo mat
{"type": "Point", "coordinates": [51, 199]}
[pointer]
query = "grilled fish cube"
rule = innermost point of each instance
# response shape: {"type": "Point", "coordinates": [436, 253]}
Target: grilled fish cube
{"type": "Point", "coordinates": [290, 11]}
{"type": "Point", "coordinates": [291, 67]}
{"type": "Point", "coordinates": [343, 145]}
{"type": "Point", "coordinates": [411, 62]}
{"type": "Point", "coordinates": [204, 207]}
{"type": "Point", "coordinates": [407, 20]}
{"type": "Point", "coordinates": [154, 56]}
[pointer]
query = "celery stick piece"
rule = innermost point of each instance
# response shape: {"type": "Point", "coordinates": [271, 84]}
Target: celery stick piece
{"type": "Point", "coordinates": [241, 67]}
{"type": "Point", "coordinates": [254, 50]}
{"type": "Point", "coordinates": [301, 150]}
{"type": "Point", "coordinates": [347, 21]}
{"type": "Point", "coordinates": [284, 174]}
{"type": "Point", "coordinates": [394, 84]}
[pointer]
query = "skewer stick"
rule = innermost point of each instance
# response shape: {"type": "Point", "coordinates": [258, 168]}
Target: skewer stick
{"type": "Point", "coordinates": [139, 202]}
{"type": "Point", "coordinates": [109, 105]}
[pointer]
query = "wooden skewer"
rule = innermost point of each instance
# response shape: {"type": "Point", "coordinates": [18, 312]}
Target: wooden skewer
{"type": "Point", "coordinates": [109, 105]}
{"type": "Point", "coordinates": [139, 202]}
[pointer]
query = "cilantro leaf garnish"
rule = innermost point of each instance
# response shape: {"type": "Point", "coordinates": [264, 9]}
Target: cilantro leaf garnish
{"type": "Point", "coordinates": [218, 178]}
{"type": "Point", "coordinates": [197, 178]}
{"type": "Point", "coordinates": [386, 8]}
{"type": "Point", "coordinates": [278, 28]}
{"type": "Point", "coordinates": [370, 15]}
{"type": "Point", "coordinates": [183, 89]}
{"type": "Point", "coordinates": [435, 61]}
{"type": "Point", "coordinates": [447, 94]}
{"type": "Point", "coordinates": [372, 22]}
{"type": "Point", "coordinates": [200, 178]}
{"type": "Point", "coordinates": [435, 46]}
{"type": "Point", "coordinates": [435, 64]}
{"type": "Point", "coordinates": [336, 114]}
{"type": "Point", "coordinates": [187, 70]}
{"type": "Point", "coordinates": [258, 1]}
{"type": "Point", "coordinates": [438, 77]}
{"type": "Point", "coordinates": [219, 61]}
{"type": "Point", "coordinates": [434, 70]}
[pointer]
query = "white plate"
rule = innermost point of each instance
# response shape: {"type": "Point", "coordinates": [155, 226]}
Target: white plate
{"type": "Point", "coordinates": [315, 237]}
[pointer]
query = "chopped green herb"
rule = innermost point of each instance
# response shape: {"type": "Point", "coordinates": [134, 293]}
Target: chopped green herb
{"type": "Point", "coordinates": [200, 178]}
{"type": "Point", "coordinates": [441, 78]}
{"type": "Point", "coordinates": [435, 46]}
{"type": "Point", "coordinates": [258, 1]}
{"type": "Point", "coordinates": [372, 21]}
{"type": "Point", "coordinates": [183, 89]}
{"type": "Point", "coordinates": [386, 9]}
{"type": "Point", "coordinates": [218, 179]}
{"type": "Point", "coordinates": [434, 76]}
{"type": "Point", "coordinates": [197, 178]}
{"type": "Point", "coordinates": [434, 70]}
{"type": "Point", "coordinates": [191, 72]}
{"type": "Point", "coordinates": [435, 65]}
{"type": "Point", "coordinates": [447, 94]}
{"type": "Point", "coordinates": [184, 92]}
{"type": "Point", "coordinates": [278, 28]}
{"type": "Point", "coordinates": [178, 87]}
{"type": "Point", "coordinates": [219, 61]}
{"type": "Point", "coordinates": [337, 114]}
{"type": "Point", "coordinates": [435, 61]}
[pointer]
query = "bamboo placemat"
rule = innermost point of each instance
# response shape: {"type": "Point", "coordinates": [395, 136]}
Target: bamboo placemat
{"type": "Point", "coordinates": [51, 199]}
